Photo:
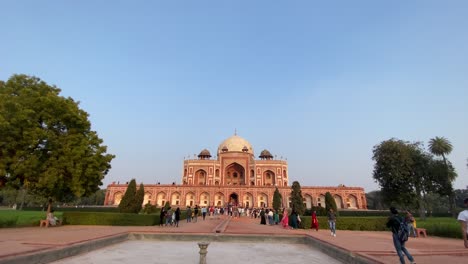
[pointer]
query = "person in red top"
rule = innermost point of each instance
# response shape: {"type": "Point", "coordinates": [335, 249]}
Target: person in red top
{"type": "Point", "coordinates": [315, 223]}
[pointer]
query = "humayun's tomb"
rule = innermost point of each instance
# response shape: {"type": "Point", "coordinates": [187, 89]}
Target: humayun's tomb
{"type": "Point", "coordinates": [236, 177]}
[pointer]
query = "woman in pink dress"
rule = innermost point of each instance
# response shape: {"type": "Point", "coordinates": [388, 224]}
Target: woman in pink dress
{"type": "Point", "coordinates": [285, 220]}
{"type": "Point", "coordinates": [315, 223]}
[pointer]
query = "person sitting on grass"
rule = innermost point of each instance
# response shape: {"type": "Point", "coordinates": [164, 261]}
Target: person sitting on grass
{"type": "Point", "coordinates": [53, 220]}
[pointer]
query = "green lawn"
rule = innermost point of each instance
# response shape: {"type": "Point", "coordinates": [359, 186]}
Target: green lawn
{"type": "Point", "coordinates": [441, 226]}
{"type": "Point", "coordinates": [15, 218]}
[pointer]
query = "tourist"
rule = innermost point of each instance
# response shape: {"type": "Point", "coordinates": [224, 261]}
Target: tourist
{"type": "Point", "coordinates": [203, 211]}
{"type": "Point", "coordinates": [276, 217]}
{"type": "Point", "coordinates": [195, 213]}
{"type": "Point", "coordinates": [294, 219]}
{"type": "Point", "coordinates": [53, 221]}
{"type": "Point", "coordinates": [394, 223]}
{"type": "Point", "coordinates": [169, 217]}
{"type": "Point", "coordinates": [177, 216]}
{"type": "Point", "coordinates": [270, 217]}
{"type": "Point", "coordinates": [162, 217]}
{"type": "Point", "coordinates": [285, 219]}
{"type": "Point", "coordinates": [49, 206]}
{"type": "Point", "coordinates": [332, 222]}
{"type": "Point", "coordinates": [173, 218]}
{"type": "Point", "coordinates": [189, 214]}
{"type": "Point", "coordinates": [315, 223]}
{"type": "Point", "coordinates": [262, 217]}
{"type": "Point", "coordinates": [211, 212]}
{"type": "Point", "coordinates": [411, 222]}
{"type": "Point", "coordinates": [463, 219]}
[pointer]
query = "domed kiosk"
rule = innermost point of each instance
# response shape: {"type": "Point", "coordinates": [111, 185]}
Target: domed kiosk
{"type": "Point", "coordinates": [234, 177]}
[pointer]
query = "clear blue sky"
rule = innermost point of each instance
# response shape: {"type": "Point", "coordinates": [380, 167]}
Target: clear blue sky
{"type": "Point", "coordinates": [317, 82]}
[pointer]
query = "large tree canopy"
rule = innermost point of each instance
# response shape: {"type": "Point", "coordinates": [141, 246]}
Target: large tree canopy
{"type": "Point", "coordinates": [46, 142]}
{"type": "Point", "coordinates": [406, 173]}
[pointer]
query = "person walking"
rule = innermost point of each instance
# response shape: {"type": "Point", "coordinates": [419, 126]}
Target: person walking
{"type": "Point", "coordinates": [294, 223]}
{"type": "Point", "coordinates": [394, 222]}
{"type": "Point", "coordinates": [203, 212]}
{"type": "Point", "coordinates": [315, 223]}
{"type": "Point", "coordinates": [411, 222]}
{"type": "Point", "coordinates": [276, 217]}
{"type": "Point", "coordinates": [463, 219]}
{"type": "Point", "coordinates": [285, 219]}
{"type": "Point", "coordinates": [162, 217]}
{"type": "Point", "coordinates": [177, 216]}
{"type": "Point", "coordinates": [189, 214]}
{"type": "Point", "coordinates": [195, 213]}
{"type": "Point", "coordinates": [262, 217]}
{"type": "Point", "coordinates": [332, 222]}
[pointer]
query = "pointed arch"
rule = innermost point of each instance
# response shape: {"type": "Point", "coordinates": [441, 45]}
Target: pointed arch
{"type": "Point", "coordinates": [247, 200]}
{"type": "Point", "coordinates": [262, 200]}
{"type": "Point", "coordinates": [219, 199]}
{"type": "Point", "coordinates": [118, 198]}
{"type": "Point", "coordinates": [204, 199]}
{"type": "Point", "coordinates": [234, 174]}
{"type": "Point", "coordinates": [338, 201]}
{"type": "Point", "coordinates": [269, 178]}
{"type": "Point", "coordinates": [200, 177]}
{"type": "Point", "coordinates": [146, 198]}
{"type": "Point", "coordinates": [308, 201]}
{"type": "Point", "coordinates": [175, 198]}
{"type": "Point", "coordinates": [190, 199]}
{"type": "Point", "coordinates": [161, 199]}
{"type": "Point", "coordinates": [351, 202]}
{"type": "Point", "coordinates": [321, 200]}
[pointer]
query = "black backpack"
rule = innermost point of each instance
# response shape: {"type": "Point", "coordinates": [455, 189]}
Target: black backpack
{"type": "Point", "coordinates": [403, 230]}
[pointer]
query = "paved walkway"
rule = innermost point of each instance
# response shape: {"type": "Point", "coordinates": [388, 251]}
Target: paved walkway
{"type": "Point", "coordinates": [376, 246]}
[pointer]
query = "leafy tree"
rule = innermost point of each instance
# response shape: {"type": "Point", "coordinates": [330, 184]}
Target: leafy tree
{"type": "Point", "coordinates": [277, 200]}
{"type": "Point", "coordinates": [139, 198]}
{"type": "Point", "coordinates": [296, 198]}
{"type": "Point", "coordinates": [440, 146]}
{"type": "Point", "coordinates": [393, 171]}
{"type": "Point", "coordinates": [330, 203]}
{"type": "Point", "coordinates": [407, 173]}
{"type": "Point", "coordinates": [46, 142]}
{"type": "Point", "coordinates": [375, 201]}
{"type": "Point", "coordinates": [127, 202]}
{"type": "Point", "coordinates": [96, 198]}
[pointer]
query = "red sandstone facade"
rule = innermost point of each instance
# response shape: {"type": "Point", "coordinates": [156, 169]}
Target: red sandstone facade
{"type": "Point", "coordinates": [236, 177]}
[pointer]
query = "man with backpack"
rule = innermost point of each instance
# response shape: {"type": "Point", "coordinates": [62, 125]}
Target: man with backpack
{"type": "Point", "coordinates": [400, 234]}
{"type": "Point", "coordinates": [463, 219]}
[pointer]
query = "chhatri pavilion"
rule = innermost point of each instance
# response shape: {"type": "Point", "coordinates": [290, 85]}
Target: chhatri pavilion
{"type": "Point", "coordinates": [236, 176]}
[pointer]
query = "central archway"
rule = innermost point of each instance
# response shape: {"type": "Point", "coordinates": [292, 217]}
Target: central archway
{"type": "Point", "coordinates": [234, 174]}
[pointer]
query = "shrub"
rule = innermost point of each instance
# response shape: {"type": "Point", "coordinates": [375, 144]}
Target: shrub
{"type": "Point", "coordinates": [77, 209]}
{"type": "Point", "coordinates": [9, 221]}
{"type": "Point", "coordinates": [150, 209]}
{"type": "Point", "coordinates": [126, 205]}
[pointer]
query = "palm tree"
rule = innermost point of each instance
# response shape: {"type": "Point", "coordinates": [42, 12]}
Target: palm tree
{"type": "Point", "coordinates": [440, 146]}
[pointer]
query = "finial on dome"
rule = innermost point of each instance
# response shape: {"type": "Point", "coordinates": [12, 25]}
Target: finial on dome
{"type": "Point", "coordinates": [235, 131]}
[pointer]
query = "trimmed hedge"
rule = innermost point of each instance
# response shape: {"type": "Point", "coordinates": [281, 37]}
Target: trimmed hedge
{"type": "Point", "coordinates": [113, 219]}
{"type": "Point", "coordinates": [76, 209]}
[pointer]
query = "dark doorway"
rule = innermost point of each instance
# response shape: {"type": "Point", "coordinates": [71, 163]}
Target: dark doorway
{"type": "Point", "coordinates": [233, 199]}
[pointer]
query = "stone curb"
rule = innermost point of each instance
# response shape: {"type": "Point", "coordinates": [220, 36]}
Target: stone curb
{"type": "Point", "coordinates": [339, 253]}
{"type": "Point", "coordinates": [65, 251]}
